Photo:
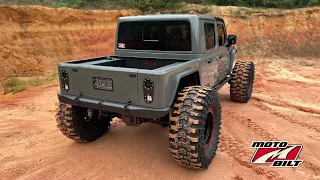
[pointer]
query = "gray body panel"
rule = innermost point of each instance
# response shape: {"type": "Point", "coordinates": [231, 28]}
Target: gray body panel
{"type": "Point", "coordinates": [128, 80]}
{"type": "Point", "coordinates": [166, 80]}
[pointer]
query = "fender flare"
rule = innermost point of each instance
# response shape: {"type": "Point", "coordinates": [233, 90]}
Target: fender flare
{"type": "Point", "coordinates": [174, 83]}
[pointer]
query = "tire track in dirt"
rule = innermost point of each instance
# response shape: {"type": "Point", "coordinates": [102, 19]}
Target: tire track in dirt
{"type": "Point", "coordinates": [293, 83]}
{"type": "Point", "coordinates": [260, 105]}
{"type": "Point", "coordinates": [239, 153]}
{"type": "Point", "coordinates": [246, 122]}
{"type": "Point", "coordinates": [313, 167]}
{"type": "Point", "coordinates": [254, 128]}
{"type": "Point", "coordinates": [285, 104]}
{"type": "Point", "coordinates": [237, 178]}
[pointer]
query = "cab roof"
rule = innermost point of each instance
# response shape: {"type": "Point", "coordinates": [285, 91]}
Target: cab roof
{"type": "Point", "coordinates": [169, 17]}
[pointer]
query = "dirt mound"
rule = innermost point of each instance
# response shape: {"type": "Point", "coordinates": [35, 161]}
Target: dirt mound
{"type": "Point", "coordinates": [268, 32]}
{"type": "Point", "coordinates": [35, 38]}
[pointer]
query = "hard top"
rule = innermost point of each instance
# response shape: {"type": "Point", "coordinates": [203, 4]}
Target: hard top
{"type": "Point", "coordinates": [168, 17]}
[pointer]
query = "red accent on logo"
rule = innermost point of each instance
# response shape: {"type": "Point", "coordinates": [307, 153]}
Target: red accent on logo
{"type": "Point", "coordinates": [276, 152]}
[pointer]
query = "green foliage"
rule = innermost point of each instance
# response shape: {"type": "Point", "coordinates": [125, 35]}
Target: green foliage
{"type": "Point", "coordinates": [163, 4]}
{"type": "Point", "coordinates": [314, 3]}
{"type": "Point", "coordinates": [151, 4]}
{"type": "Point", "coordinates": [68, 3]}
{"type": "Point", "coordinates": [35, 81]}
{"type": "Point", "coordinates": [17, 84]}
{"type": "Point", "coordinates": [14, 85]}
{"type": "Point", "coordinates": [285, 4]}
{"type": "Point", "coordinates": [51, 3]}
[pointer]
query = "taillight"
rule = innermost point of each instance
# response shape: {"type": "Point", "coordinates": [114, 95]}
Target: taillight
{"type": "Point", "coordinates": [148, 87]}
{"type": "Point", "coordinates": [64, 80]}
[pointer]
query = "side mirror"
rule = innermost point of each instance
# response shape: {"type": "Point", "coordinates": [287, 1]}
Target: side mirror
{"type": "Point", "coordinates": [232, 39]}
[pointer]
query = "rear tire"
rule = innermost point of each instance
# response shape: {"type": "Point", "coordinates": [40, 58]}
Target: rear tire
{"type": "Point", "coordinates": [74, 123]}
{"type": "Point", "coordinates": [195, 125]}
{"type": "Point", "coordinates": [241, 83]}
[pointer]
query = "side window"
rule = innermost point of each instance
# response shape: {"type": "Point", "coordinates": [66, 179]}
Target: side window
{"type": "Point", "coordinates": [221, 34]}
{"type": "Point", "coordinates": [210, 37]}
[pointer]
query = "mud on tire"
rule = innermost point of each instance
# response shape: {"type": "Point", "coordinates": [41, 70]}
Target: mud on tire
{"type": "Point", "coordinates": [73, 123]}
{"type": "Point", "coordinates": [195, 125]}
{"type": "Point", "coordinates": [241, 82]}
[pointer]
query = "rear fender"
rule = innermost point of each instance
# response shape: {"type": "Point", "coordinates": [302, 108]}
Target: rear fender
{"type": "Point", "coordinates": [173, 84]}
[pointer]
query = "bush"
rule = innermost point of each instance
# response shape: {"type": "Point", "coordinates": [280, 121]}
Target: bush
{"type": "Point", "coordinates": [68, 3]}
{"type": "Point", "coordinates": [266, 3]}
{"type": "Point", "coordinates": [314, 3]}
{"type": "Point", "coordinates": [14, 85]}
{"type": "Point", "coordinates": [163, 4]}
{"type": "Point", "coordinates": [151, 4]}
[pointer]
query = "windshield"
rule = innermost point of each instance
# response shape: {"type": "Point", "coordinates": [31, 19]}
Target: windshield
{"type": "Point", "coordinates": [155, 35]}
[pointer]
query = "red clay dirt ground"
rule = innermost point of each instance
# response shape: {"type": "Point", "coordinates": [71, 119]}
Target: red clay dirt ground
{"type": "Point", "coordinates": [285, 106]}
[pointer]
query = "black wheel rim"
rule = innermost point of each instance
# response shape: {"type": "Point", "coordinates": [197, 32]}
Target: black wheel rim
{"type": "Point", "coordinates": [209, 129]}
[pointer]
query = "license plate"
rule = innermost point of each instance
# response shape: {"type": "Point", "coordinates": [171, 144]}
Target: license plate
{"type": "Point", "coordinates": [102, 83]}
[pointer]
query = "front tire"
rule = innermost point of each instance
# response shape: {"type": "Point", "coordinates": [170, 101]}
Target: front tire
{"type": "Point", "coordinates": [195, 127]}
{"type": "Point", "coordinates": [241, 83]}
{"type": "Point", "coordinates": [74, 123]}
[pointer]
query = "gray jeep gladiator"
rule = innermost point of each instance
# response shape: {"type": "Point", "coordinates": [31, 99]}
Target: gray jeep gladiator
{"type": "Point", "coordinates": [167, 70]}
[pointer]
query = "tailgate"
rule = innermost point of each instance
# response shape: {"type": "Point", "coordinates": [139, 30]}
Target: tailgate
{"type": "Point", "coordinates": [107, 83]}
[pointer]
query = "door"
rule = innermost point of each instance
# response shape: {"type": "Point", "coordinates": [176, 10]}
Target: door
{"type": "Point", "coordinates": [223, 57]}
{"type": "Point", "coordinates": [211, 52]}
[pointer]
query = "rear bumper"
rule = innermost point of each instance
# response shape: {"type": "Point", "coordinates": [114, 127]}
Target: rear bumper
{"type": "Point", "coordinates": [132, 110]}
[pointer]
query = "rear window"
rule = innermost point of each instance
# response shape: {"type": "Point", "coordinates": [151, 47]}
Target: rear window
{"type": "Point", "coordinates": [155, 35]}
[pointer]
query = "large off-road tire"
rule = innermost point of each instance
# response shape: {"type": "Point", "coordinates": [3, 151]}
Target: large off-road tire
{"type": "Point", "coordinates": [195, 124]}
{"type": "Point", "coordinates": [74, 123]}
{"type": "Point", "coordinates": [241, 83]}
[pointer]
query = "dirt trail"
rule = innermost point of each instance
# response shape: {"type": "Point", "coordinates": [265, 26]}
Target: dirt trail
{"type": "Point", "coordinates": [285, 106]}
